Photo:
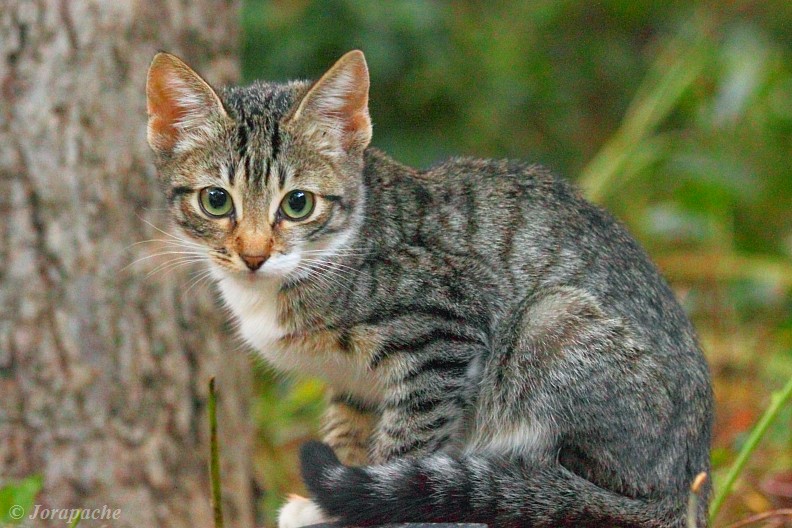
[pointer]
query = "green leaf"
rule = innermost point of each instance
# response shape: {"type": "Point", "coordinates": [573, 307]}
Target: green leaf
{"type": "Point", "coordinates": [17, 498]}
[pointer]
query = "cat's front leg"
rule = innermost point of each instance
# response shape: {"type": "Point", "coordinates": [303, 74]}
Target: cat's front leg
{"type": "Point", "coordinates": [429, 389]}
{"type": "Point", "coordinates": [347, 427]}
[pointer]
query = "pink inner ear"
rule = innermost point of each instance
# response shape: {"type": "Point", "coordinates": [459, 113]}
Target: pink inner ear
{"type": "Point", "coordinates": [356, 104]}
{"type": "Point", "coordinates": [338, 102]}
{"type": "Point", "coordinates": [357, 122]}
{"type": "Point", "coordinates": [352, 113]}
{"type": "Point", "coordinates": [163, 108]}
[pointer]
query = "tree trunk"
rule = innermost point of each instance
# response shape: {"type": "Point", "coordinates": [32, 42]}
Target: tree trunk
{"type": "Point", "coordinates": [104, 371]}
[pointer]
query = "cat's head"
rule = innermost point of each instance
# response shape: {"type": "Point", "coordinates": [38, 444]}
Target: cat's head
{"type": "Point", "coordinates": [267, 177]}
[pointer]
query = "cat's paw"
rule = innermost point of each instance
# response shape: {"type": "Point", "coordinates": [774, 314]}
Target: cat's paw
{"type": "Point", "coordinates": [299, 511]}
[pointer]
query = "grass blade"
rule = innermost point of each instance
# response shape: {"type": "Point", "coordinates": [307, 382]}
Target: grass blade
{"type": "Point", "coordinates": [777, 401]}
{"type": "Point", "coordinates": [674, 71]}
{"type": "Point", "coordinates": [76, 520]}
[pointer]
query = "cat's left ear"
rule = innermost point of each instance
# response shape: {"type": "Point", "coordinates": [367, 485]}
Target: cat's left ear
{"type": "Point", "coordinates": [183, 110]}
{"type": "Point", "coordinates": [334, 113]}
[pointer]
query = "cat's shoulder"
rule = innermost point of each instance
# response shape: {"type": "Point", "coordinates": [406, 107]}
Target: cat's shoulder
{"type": "Point", "coordinates": [506, 175]}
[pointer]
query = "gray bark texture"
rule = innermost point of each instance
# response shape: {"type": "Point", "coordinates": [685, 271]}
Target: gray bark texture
{"type": "Point", "coordinates": [104, 371]}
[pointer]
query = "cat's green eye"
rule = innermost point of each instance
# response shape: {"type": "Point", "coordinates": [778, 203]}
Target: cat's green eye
{"type": "Point", "coordinates": [297, 205]}
{"type": "Point", "coordinates": [216, 202]}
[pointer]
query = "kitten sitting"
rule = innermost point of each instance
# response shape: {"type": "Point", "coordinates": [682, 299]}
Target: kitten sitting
{"type": "Point", "coordinates": [499, 350]}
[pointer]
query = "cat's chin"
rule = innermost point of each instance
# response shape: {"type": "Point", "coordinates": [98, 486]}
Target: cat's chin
{"type": "Point", "coordinates": [257, 277]}
{"type": "Point", "coordinates": [246, 277]}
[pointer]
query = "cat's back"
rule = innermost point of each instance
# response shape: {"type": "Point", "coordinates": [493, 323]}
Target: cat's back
{"type": "Point", "coordinates": [537, 229]}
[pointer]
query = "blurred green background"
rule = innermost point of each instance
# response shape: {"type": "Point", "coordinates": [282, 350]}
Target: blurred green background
{"type": "Point", "coordinates": [677, 116]}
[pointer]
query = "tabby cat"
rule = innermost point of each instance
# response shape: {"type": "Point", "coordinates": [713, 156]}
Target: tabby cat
{"type": "Point", "coordinates": [498, 349]}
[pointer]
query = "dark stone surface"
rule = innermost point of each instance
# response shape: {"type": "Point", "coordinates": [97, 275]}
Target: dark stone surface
{"type": "Point", "coordinates": [415, 525]}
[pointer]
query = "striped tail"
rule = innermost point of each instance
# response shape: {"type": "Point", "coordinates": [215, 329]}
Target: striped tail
{"type": "Point", "coordinates": [472, 489]}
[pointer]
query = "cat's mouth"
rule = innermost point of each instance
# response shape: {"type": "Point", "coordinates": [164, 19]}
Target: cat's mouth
{"type": "Point", "coordinates": [250, 269]}
{"type": "Point", "coordinates": [244, 276]}
{"type": "Point", "coordinates": [255, 274]}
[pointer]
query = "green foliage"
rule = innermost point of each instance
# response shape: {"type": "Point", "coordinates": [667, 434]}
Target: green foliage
{"type": "Point", "coordinates": [17, 498]}
{"type": "Point", "coordinates": [677, 116]}
{"type": "Point", "coordinates": [286, 413]}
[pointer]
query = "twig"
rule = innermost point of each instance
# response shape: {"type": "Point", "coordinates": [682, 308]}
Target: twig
{"type": "Point", "coordinates": [214, 457]}
{"type": "Point", "coordinates": [784, 512]}
{"type": "Point", "coordinates": [693, 499]}
{"type": "Point", "coordinates": [777, 402]}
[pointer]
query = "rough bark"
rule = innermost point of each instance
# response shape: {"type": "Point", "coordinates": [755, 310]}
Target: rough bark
{"type": "Point", "coordinates": [104, 371]}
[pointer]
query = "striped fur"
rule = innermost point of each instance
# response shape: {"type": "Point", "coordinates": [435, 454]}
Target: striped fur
{"type": "Point", "coordinates": [499, 350]}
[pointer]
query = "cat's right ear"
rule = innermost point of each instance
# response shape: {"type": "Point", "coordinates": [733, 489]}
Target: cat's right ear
{"type": "Point", "coordinates": [183, 110]}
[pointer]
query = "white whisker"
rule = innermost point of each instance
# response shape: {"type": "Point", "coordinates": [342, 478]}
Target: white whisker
{"type": "Point", "coordinates": [169, 235]}
{"type": "Point", "coordinates": [326, 271]}
{"type": "Point", "coordinates": [173, 264]}
{"type": "Point", "coordinates": [339, 266]}
{"type": "Point", "coordinates": [341, 251]}
{"type": "Point", "coordinates": [336, 266]}
{"type": "Point", "coordinates": [141, 259]}
{"type": "Point", "coordinates": [182, 243]}
{"type": "Point", "coordinates": [201, 277]}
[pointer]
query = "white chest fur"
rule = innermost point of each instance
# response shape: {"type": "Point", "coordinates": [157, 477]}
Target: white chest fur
{"type": "Point", "coordinates": [255, 306]}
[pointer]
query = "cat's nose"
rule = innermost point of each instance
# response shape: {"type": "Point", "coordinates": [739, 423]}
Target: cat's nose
{"type": "Point", "coordinates": [254, 262]}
